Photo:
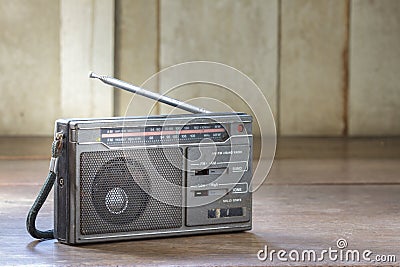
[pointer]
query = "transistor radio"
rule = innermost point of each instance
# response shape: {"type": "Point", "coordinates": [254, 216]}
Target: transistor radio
{"type": "Point", "coordinates": [155, 176]}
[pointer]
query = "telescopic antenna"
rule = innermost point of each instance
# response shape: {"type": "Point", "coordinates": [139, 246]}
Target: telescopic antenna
{"type": "Point", "coordinates": [140, 91]}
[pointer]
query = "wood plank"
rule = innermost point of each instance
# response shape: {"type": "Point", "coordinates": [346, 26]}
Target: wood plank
{"type": "Point", "coordinates": [313, 77]}
{"type": "Point", "coordinates": [25, 147]}
{"type": "Point", "coordinates": [242, 35]}
{"type": "Point", "coordinates": [337, 148]}
{"type": "Point", "coordinates": [298, 208]}
{"type": "Point", "coordinates": [285, 217]}
{"type": "Point", "coordinates": [87, 44]}
{"type": "Point", "coordinates": [29, 67]}
{"type": "Point", "coordinates": [136, 55]}
{"type": "Point", "coordinates": [334, 171]}
{"type": "Point", "coordinates": [374, 99]}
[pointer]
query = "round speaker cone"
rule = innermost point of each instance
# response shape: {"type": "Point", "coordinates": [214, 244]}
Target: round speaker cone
{"type": "Point", "coordinates": [116, 200]}
{"type": "Point", "coordinates": [116, 194]}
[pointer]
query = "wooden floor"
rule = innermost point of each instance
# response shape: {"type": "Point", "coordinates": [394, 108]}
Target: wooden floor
{"type": "Point", "coordinates": [318, 191]}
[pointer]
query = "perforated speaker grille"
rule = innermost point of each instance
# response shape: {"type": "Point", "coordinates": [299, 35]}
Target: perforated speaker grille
{"type": "Point", "coordinates": [116, 189]}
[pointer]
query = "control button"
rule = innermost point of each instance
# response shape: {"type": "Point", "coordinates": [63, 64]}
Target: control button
{"type": "Point", "coordinates": [201, 193]}
{"type": "Point", "coordinates": [233, 212]}
{"type": "Point", "coordinates": [240, 166]}
{"type": "Point", "coordinates": [217, 192]}
{"type": "Point", "coordinates": [212, 213]}
{"type": "Point", "coordinates": [240, 188]}
{"type": "Point", "coordinates": [224, 212]}
{"type": "Point", "coordinates": [202, 172]}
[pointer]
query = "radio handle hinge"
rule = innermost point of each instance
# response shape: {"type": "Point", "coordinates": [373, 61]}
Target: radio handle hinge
{"type": "Point", "coordinates": [56, 150]}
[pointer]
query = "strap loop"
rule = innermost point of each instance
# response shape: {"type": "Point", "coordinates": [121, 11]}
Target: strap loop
{"type": "Point", "coordinates": [56, 150]}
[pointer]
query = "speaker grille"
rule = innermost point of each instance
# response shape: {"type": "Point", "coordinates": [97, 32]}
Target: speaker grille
{"type": "Point", "coordinates": [117, 188]}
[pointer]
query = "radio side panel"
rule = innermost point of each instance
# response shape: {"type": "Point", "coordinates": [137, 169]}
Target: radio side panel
{"type": "Point", "coordinates": [64, 187]}
{"type": "Point", "coordinates": [60, 193]}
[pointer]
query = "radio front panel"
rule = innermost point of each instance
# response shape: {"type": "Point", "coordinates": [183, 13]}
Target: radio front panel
{"type": "Point", "coordinates": [128, 179]}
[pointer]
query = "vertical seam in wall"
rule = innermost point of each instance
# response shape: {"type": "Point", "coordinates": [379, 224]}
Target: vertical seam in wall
{"type": "Point", "coordinates": [91, 51]}
{"type": "Point", "coordinates": [278, 71]}
{"type": "Point", "coordinates": [345, 60]}
{"type": "Point", "coordinates": [60, 41]}
{"type": "Point", "coordinates": [158, 50]}
{"type": "Point", "coordinates": [116, 102]}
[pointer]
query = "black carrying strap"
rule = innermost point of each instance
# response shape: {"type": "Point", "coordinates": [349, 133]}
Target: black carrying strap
{"type": "Point", "coordinates": [44, 193]}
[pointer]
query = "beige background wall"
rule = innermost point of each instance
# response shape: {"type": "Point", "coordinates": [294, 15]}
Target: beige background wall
{"type": "Point", "coordinates": [29, 66]}
{"type": "Point", "coordinates": [328, 68]}
{"type": "Point", "coordinates": [313, 71]}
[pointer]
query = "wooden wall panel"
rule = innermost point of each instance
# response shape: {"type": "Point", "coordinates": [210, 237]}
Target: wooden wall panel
{"type": "Point", "coordinates": [136, 51]}
{"type": "Point", "coordinates": [374, 96]}
{"type": "Point", "coordinates": [313, 78]}
{"type": "Point", "coordinates": [87, 44]}
{"type": "Point", "coordinates": [29, 67]}
{"type": "Point", "coordinates": [242, 34]}
{"type": "Point", "coordinates": [317, 94]}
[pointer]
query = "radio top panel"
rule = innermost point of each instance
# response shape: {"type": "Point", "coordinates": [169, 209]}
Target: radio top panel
{"type": "Point", "coordinates": [162, 129]}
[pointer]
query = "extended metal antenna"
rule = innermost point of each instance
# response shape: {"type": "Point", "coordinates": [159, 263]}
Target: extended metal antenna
{"type": "Point", "coordinates": [140, 91]}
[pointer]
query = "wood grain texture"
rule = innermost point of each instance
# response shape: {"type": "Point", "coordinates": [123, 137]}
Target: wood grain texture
{"type": "Point", "coordinates": [136, 57]}
{"type": "Point", "coordinates": [374, 100]}
{"type": "Point", "coordinates": [241, 34]}
{"type": "Point", "coordinates": [86, 44]}
{"type": "Point", "coordinates": [312, 72]}
{"type": "Point", "coordinates": [300, 207]}
{"type": "Point", "coordinates": [285, 217]}
{"type": "Point", "coordinates": [29, 67]}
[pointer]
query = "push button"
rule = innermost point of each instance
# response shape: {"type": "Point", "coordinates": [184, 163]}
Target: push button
{"type": "Point", "coordinates": [225, 213]}
{"type": "Point", "coordinates": [201, 193]}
